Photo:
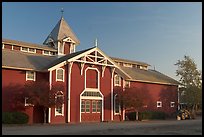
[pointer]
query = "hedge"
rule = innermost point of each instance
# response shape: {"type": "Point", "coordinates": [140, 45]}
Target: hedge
{"type": "Point", "coordinates": [14, 118]}
{"type": "Point", "coordinates": [146, 115]}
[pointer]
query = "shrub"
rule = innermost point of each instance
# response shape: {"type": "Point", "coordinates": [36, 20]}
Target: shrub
{"type": "Point", "coordinates": [152, 115]}
{"type": "Point", "coordinates": [14, 118]}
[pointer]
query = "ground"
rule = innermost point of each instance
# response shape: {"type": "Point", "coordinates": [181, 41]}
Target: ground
{"type": "Point", "coordinates": [154, 127]}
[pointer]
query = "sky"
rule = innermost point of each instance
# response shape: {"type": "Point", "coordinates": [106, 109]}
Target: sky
{"type": "Point", "coordinates": [157, 33]}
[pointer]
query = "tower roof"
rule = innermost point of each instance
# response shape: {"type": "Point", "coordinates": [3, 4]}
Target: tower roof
{"type": "Point", "coordinates": [61, 30]}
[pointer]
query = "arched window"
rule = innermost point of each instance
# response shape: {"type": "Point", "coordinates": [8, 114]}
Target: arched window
{"type": "Point", "coordinates": [92, 78]}
{"type": "Point", "coordinates": [116, 105]}
{"type": "Point", "coordinates": [117, 80]}
{"type": "Point", "coordinates": [60, 74]}
{"type": "Point", "coordinates": [59, 109]}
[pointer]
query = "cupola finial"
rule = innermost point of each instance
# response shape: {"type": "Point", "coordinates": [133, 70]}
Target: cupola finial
{"type": "Point", "coordinates": [62, 10]}
{"type": "Point", "coordinates": [96, 43]}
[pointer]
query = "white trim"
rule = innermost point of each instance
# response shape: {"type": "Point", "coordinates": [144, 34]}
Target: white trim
{"type": "Point", "coordinates": [72, 47]}
{"type": "Point", "coordinates": [49, 112]}
{"type": "Point", "coordinates": [59, 45]}
{"type": "Point", "coordinates": [112, 78]}
{"type": "Point", "coordinates": [159, 106]}
{"type": "Point", "coordinates": [49, 115]}
{"type": "Point", "coordinates": [62, 76]}
{"type": "Point", "coordinates": [3, 45]}
{"type": "Point", "coordinates": [92, 98]}
{"type": "Point", "coordinates": [58, 65]}
{"type": "Point", "coordinates": [152, 82]}
{"type": "Point", "coordinates": [11, 47]}
{"type": "Point", "coordinates": [98, 86]}
{"type": "Point", "coordinates": [125, 83]}
{"type": "Point", "coordinates": [69, 89]}
{"type": "Point", "coordinates": [33, 76]}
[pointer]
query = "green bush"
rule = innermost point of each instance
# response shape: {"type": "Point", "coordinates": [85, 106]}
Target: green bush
{"type": "Point", "coordinates": [14, 118]}
{"type": "Point", "coordinates": [152, 115]}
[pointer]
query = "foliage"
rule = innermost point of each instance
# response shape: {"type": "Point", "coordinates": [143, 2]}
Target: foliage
{"type": "Point", "coordinates": [39, 93]}
{"type": "Point", "coordinates": [133, 97]}
{"type": "Point", "coordinates": [13, 97]}
{"type": "Point", "coordinates": [190, 77]}
{"type": "Point", "coordinates": [14, 118]}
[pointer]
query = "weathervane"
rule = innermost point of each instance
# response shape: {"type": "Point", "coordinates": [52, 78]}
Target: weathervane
{"type": "Point", "coordinates": [62, 10]}
{"type": "Point", "coordinates": [96, 43]}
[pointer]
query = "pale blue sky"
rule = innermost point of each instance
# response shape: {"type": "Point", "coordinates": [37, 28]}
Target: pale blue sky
{"type": "Point", "coordinates": [152, 32]}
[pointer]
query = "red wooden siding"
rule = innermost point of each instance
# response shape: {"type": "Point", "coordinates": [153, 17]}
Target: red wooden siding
{"type": "Point", "coordinates": [159, 92]}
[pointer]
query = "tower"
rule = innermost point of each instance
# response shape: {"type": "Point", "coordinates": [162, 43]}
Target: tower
{"type": "Point", "coordinates": [62, 38]}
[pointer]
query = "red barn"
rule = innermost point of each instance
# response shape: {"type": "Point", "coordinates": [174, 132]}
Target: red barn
{"type": "Point", "coordinates": [89, 77]}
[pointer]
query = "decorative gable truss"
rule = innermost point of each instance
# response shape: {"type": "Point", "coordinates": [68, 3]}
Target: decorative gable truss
{"type": "Point", "coordinates": [95, 57]}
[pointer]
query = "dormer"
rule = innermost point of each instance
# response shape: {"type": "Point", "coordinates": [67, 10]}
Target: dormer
{"type": "Point", "coordinates": [62, 38]}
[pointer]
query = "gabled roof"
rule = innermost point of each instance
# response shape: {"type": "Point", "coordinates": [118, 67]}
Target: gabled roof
{"type": "Point", "coordinates": [66, 57]}
{"type": "Point", "coordinates": [25, 61]}
{"type": "Point", "coordinates": [129, 61]}
{"type": "Point", "coordinates": [151, 76]}
{"type": "Point", "coordinates": [26, 44]}
{"type": "Point", "coordinates": [62, 31]}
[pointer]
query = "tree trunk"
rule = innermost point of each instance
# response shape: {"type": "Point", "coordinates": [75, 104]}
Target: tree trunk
{"type": "Point", "coordinates": [137, 117]}
{"type": "Point", "coordinates": [45, 116]}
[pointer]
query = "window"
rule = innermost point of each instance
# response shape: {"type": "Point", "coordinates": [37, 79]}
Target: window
{"type": "Point", "coordinates": [117, 80]}
{"type": "Point", "coordinates": [159, 104]}
{"type": "Point", "coordinates": [60, 74]}
{"type": "Point", "coordinates": [87, 105]}
{"type": "Point", "coordinates": [92, 94]}
{"type": "Point", "coordinates": [27, 102]}
{"type": "Point", "coordinates": [92, 79]}
{"type": "Point", "coordinates": [46, 52]}
{"type": "Point", "coordinates": [82, 106]}
{"type": "Point", "coordinates": [98, 106]}
{"type": "Point", "coordinates": [52, 53]}
{"type": "Point", "coordinates": [30, 75]}
{"type": "Point", "coordinates": [93, 106]}
{"type": "Point", "coordinates": [127, 83]}
{"type": "Point", "coordinates": [116, 105]}
{"type": "Point", "coordinates": [172, 104]}
{"type": "Point", "coordinates": [24, 49]}
{"type": "Point", "coordinates": [32, 50]}
{"type": "Point", "coordinates": [59, 109]}
{"type": "Point", "coordinates": [127, 65]}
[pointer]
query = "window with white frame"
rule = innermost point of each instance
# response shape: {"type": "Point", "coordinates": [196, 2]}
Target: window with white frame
{"type": "Point", "coordinates": [127, 65]}
{"type": "Point", "coordinates": [117, 80]}
{"type": "Point", "coordinates": [24, 49]}
{"type": "Point", "coordinates": [127, 83]}
{"type": "Point", "coordinates": [60, 74]}
{"type": "Point", "coordinates": [87, 106]}
{"type": "Point", "coordinates": [27, 102]}
{"type": "Point", "coordinates": [172, 104]}
{"type": "Point", "coordinates": [116, 105]}
{"type": "Point", "coordinates": [59, 109]}
{"type": "Point", "coordinates": [46, 52]}
{"type": "Point", "coordinates": [159, 104]}
{"type": "Point", "coordinates": [30, 75]}
{"type": "Point", "coordinates": [31, 50]}
{"type": "Point", "coordinates": [83, 106]}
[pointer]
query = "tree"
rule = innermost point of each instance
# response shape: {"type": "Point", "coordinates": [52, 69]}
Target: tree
{"type": "Point", "coordinates": [190, 77]}
{"type": "Point", "coordinates": [133, 98]}
{"type": "Point", "coordinates": [39, 94]}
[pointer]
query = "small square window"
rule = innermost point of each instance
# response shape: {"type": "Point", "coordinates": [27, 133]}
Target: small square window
{"type": "Point", "coordinates": [24, 49]}
{"type": "Point", "coordinates": [159, 104]}
{"type": "Point", "coordinates": [30, 75]}
{"type": "Point", "coordinates": [172, 104]}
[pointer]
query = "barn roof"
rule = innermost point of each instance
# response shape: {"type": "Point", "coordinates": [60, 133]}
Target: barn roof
{"type": "Point", "coordinates": [149, 75]}
{"type": "Point", "coordinates": [26, 44]}
{"type": "Point", "coordinates": [22, 60]}
{"type": "Point", "coordinates": [62, 30]}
